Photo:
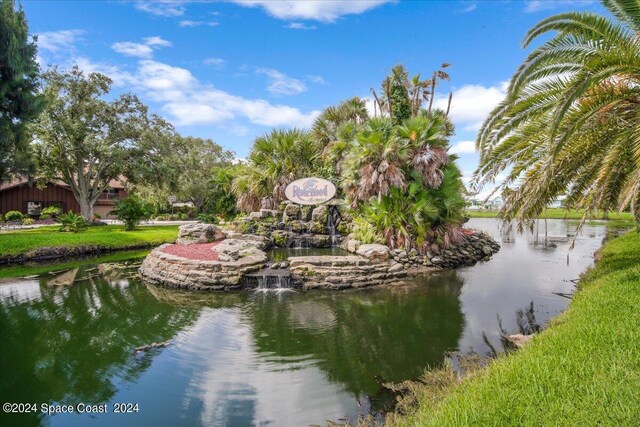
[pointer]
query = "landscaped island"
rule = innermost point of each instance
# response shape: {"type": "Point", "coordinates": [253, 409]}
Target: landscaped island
{"type": "Point", "coordinates": [206, 257]}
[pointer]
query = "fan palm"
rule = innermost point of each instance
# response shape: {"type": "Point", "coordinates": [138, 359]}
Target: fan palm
{"type": "Point", "coordinates": [427, 147]}
{"type": "Point", "coordinates": [275, 160]}
{"type": "Point", "coordinates": [570, 122]}
{"type": "Point", "coordinates": [375, 162]}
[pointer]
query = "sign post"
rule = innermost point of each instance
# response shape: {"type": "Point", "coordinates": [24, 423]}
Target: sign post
{"type": "Point", "coordinates": [172, 200]}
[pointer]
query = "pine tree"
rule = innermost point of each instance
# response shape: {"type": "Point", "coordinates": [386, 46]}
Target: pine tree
{"type": "Point", "coordinates": [20, 102]}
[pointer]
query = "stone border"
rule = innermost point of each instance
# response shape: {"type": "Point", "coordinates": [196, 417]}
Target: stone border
{"type": "Point", "coordinates": [161, 268]}
{"type": "Point", "coordinates": [344, 272]}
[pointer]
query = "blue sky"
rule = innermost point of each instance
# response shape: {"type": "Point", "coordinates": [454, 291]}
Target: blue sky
{"type": "Point", "coordinates": [231, 71]}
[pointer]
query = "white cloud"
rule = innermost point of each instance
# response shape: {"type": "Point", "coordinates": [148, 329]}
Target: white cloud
{"type": "Point", "coordinates": [533, 6]}
{"type": "Point", "coordinates": [141, 50]}
{"type": "Point", "coordinates": [168, 8]}
{"type": "Point", "coordinates": [469, 7]}
{"type": "Point", "coordinates": [119, 76]}
{"type": "Point", "coordinates": [189, 102]}
{"type": "Point", "coordinates": [239, 130]}
{"type": "Point", "coordinates": [54, 41]}
{"type": "Point", "coordinates": [471, 104]}
{"type": "Point", "coordinates": [463, 147]}
{"type": "Point", "coordinates": [165, 79]}
{"type": "Point", "coordinates": [300, 26]}
{"type": "Point", "coordinates": [281, 84]}
{"type": "Point", "coordinates": [317, 10]}
{"type": "Point", "coordinates": [215, 62]}
{"type": "Point", "coordinates": [157, 41]}
{"type": "Point", "coordinates": [190, 23]}
{"type": "Point", "coordinates": [315, 79]}
{"type": "Point", "coordinates": [138, 50]}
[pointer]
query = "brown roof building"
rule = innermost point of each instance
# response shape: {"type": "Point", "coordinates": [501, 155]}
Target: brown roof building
{"type": "Point", "coordinates": [23, 196]}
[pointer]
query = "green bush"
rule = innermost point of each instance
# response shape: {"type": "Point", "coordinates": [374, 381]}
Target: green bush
{"type": "Point", "coordinates": [365, 232]}
{"type": "Point", "coordinates": [162, 217]}
{"type": "Point", "coordinates": [27, 221]}
{"type": "Point", "coordinates": [97, 216]}
{"type": "Point", "coordinates": [13, 216]}
{"type": "Point", "coordinates": [72, 222]}
{"type": "Point", "coordinates": [208, 218]}
{"type": "Point", "coordinates": [184, 216]}
{"type": "Point", "coordinates": [132, 210]}
{"type": "Point", "coordinates": [50, 212]}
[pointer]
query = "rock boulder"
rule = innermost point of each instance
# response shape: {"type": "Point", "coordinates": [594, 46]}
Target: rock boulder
{"type": "Point", "coordinates": [199, 233]}
{"type": "Point", "coordinates": [374, 251]}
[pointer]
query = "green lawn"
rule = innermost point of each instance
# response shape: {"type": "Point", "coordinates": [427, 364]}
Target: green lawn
{"type": "Point", "coordinates": [109, 236]}
{"type": "Point", "coordinates": [583, 370]}
{"type": "Point", "coordinates": [557, 213]}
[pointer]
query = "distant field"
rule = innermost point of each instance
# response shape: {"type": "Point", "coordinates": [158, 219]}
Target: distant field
{"type": "Point", "coordinates": [109, 236]}
{"type": "Point", "coordinates": [558, 213]}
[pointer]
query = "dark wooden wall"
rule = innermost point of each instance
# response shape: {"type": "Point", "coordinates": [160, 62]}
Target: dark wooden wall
{"type": "Point", "coordinates": [16, 198]}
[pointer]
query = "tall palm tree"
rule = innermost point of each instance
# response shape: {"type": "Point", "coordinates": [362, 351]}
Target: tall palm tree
{"type": "Point", "coordinates": [570, 123]}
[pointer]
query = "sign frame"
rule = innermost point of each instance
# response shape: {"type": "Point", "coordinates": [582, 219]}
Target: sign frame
{"type": "Point", "coordinates": [310, 191]}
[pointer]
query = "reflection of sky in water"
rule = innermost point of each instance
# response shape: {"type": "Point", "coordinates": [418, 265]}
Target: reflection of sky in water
{"type": "Point", "coordinates": [14, 292]}
{"type": "Point", "coordinates": [521, 272]}
{"type": "Point", "coordinates": [302, 358]}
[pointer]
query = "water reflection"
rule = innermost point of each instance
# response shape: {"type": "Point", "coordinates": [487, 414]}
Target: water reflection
{"type": "Point", "coordinates": [293, 358]}
{"type": "Point", "coordinates": [67, 345]}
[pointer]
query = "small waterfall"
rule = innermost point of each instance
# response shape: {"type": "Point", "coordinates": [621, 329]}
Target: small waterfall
{"type": "Point", "coordinates": [333, 219]}
{"type": "Point", "coordinates": [272, 279]}
{"type": "Point", "coordinates": [300, 242]}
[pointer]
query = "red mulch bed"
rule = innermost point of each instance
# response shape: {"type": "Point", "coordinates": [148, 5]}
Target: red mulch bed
{"type": "Point", "coordinates": [199, 251]}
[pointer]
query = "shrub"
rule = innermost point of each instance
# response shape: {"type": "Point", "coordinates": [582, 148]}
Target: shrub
{"type": "Point", "coordinates": [72, 222]}
{"type": "Point", "coordinates": [13, 216]}
{"type": "Point", "coordinates": [97, 216]}
{"type": "Point", "coordinates": [184, 216]}
{"type": "Point", "coordinates": [50, 212]}
{"type": "Point", "coordinates": [27, 221]}
{"type": "Point", "coordinates": [132, 210]}
{"type": "Point", "coordinates": [364, 231]}
{"type": "Point", "coordinates": [163, 217]}
{"type": "Point", "coordinates": [208, 218]}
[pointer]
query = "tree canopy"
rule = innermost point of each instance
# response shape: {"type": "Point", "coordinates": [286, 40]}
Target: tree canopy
{"type": "Point", "coordinates": [86, 141]}
{"type": "Point", "coordinates": [570, 122]}
{"type": "Point", "coordinates": [20, 102]}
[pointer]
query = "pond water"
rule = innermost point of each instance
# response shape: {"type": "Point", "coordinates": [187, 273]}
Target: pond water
{"type": "Point", "coordinates": [284, 359]}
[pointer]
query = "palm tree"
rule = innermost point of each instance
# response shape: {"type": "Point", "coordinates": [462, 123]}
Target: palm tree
{"type": "Point", "coordinates": [427, 147]}
{"type": "Point", "coordinates": [374, 163]}
{"type": "Point", "coordinates": [570, 123]}
{"type": "Point", "coordinates": [327, 125]}
{"type": "Point", "coordinates": [275, 160]}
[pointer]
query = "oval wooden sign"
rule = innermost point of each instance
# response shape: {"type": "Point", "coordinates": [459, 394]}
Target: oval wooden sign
{"type": "Point", "coordinates": [310, 191]}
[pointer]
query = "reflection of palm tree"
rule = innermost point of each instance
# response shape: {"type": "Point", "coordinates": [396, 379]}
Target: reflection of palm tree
{"type": "Point", "coordinates": [393, 333]}
{"type": "Point", "coordinates": [527, 325]}
{"type": "Point", "coordinates": [69, 346]}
